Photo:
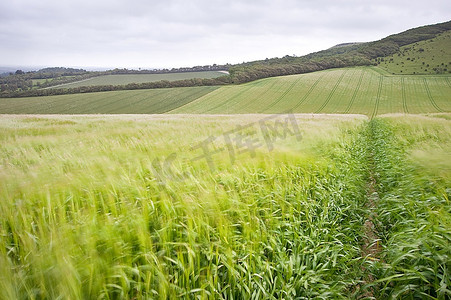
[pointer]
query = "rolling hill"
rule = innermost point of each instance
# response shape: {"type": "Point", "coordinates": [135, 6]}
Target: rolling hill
{"type": "Point", "coordinates": [353, 54]}
{"type": "Point", "coordinates": [363, 90]}
{"type": "Point", "coordinates": [426, 57]}
{"type": "Point", "coordinates": [220, 193]}
{"type": "Point", "coordinates": [331, 82]}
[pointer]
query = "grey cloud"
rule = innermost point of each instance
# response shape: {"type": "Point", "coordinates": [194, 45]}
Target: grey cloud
{"type": "Point", "coordinates": [175, 32]}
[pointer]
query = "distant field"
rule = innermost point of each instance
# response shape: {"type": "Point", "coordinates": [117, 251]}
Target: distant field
{"type": "Point", "coordinates": [369, 91]}
{"type": "Point", "coordinates": [126, 102]}
{"type": "Point", "coordinates": [352, 90]}
{"type": "Point", "coordinates": [140, 78]}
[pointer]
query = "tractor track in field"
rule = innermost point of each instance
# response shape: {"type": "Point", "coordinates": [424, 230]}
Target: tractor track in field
{"type": "Point", "coordinates": [331, 93]}
{"type": "Point", "coordinates": [404, 96]}
{"type": "Point", "coordinates": [143, 100]}
{"type": "Point", "coordinates": [283, 95]}
{"type": "Point", "coordinates": [308, 92]}
{"type": "Point", "coordinates": [371, 247]}
{"type": "Point", "coordinates": [249, 103]}
{"type": "Point", "coordinates": [428, 91]}
{"type": "Point", "coordinates": [228, 101]}
{"type": "Point", "coordinates": [28, 105]}
{"type": "Point", "coordinates": [195, 102]}
{"type": "Point", "coordinates": [354, 95]}
{"type": "Point", "coordinates": [448, 82]}
{"type": "Point", "coordinates": [378, 97]}
{"type": "Point", "coordinates": [103, 104]}
{"type": "Point", "coordinates": [167, 108]}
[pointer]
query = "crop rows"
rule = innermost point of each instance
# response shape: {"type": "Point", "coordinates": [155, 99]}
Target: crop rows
{"type": "Point", "coordinates": [413, 210]}
{"type": "Point", "coordinates": [103, 226]}
{"type": "Point", "coordinates": [353, 90]}
{"type": "Point", "coordinates": [358, 90]}
{"type": "Point", "coordinates": [96, 207]}
{"type": "Point", "coordinates": [125, 102]}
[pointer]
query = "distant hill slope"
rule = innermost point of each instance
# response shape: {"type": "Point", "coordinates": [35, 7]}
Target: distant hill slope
{"type": "Point", "coordinates": [335, 57]}
{"type": "Point", "coordinates": [432, 56]}
{"type": "Point", "coordinates": [358, 90]}
{"type": "Point", "coordinates": [124, 79]}
{"type": "Point", "coordinates": [361, 90]}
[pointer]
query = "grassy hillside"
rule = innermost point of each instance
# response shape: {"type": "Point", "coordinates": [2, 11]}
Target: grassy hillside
{"type": "Point", "coordinates": [369, 91]}
{"type": "Point", "coordinates": [124, 79]}
{"type": "Point", "coordinates": [130, 207]}
{"type": "Point", "coordinates": [426, 57]}
{"type": "Point", "coordinates": [126, 102]}
{"type": "Point", "coordinates": [336, 57]}
{"type": "Point", "coordinates": [352, 90]}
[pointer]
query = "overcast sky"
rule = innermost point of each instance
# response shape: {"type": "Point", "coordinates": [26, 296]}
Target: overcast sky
{"type": "Point", "coordinates": [175, 33]}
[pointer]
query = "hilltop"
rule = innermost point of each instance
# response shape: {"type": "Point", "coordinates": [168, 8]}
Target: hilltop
{"type": "Point", "coordinates": [342, 55]}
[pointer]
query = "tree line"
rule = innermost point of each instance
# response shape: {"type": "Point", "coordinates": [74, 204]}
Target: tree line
{"type": "Point", "coordinates": [223, 80]}
{"type": "Point", "coordinates": [20, 84]}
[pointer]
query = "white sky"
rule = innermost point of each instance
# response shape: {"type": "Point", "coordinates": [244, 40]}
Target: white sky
{"type": "Point", "coordinates": [176, 33]}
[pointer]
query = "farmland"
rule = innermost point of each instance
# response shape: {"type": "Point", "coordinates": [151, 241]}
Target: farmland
{"type": "Point", "coordinates": [132, 207]}
{"type": "Point", "coordinates": [129, 102]}
{"type": "Point", "coordinates": [124, 79]}
{"type": "Point", "coordinates": [363, 90]}
{"type": "Point", "coordinates": [318, 176]}
{"type": "Point", "coordinates": [353, 90]}
{"type": "Point", "coordinates": [332, 184]}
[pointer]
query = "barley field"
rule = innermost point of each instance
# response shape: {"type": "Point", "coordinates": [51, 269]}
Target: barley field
{"type": "Point", "coordinates": [225, 207]}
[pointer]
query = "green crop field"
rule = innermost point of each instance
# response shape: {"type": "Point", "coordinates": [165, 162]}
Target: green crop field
{"type": "Point", "coordinates": [333, 184]}
{"type": "Point", "coordinates": [126, 102]}
{"type": "Point", "coordinates": [369, 91]}
{"type": "Point", "coordinates": [226, 207]}
{"type": "Point", "coordinates": [140, 78]}
{"type": "Point", "coordinates": [353, 90]}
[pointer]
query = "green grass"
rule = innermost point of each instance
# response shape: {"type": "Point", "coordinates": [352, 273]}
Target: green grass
{"type": "Point", "coordinates": [126, 102]}
{"type": "Point", "coordinates": [413, 213]}
{"type": "Point", "coordinates": [352, 90]}
{"type": "Point", "coordinates": [426, 57]}
{"type": "Point", "coordinates": [83, 214]}
{"type": "Point", "coordinates": [89, 210]}
{"type": "Point", "coordinates": [141, 78]}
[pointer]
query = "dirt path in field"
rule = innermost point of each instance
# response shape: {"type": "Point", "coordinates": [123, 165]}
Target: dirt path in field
{"type": "Point", "coordinates": [371, 247]}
